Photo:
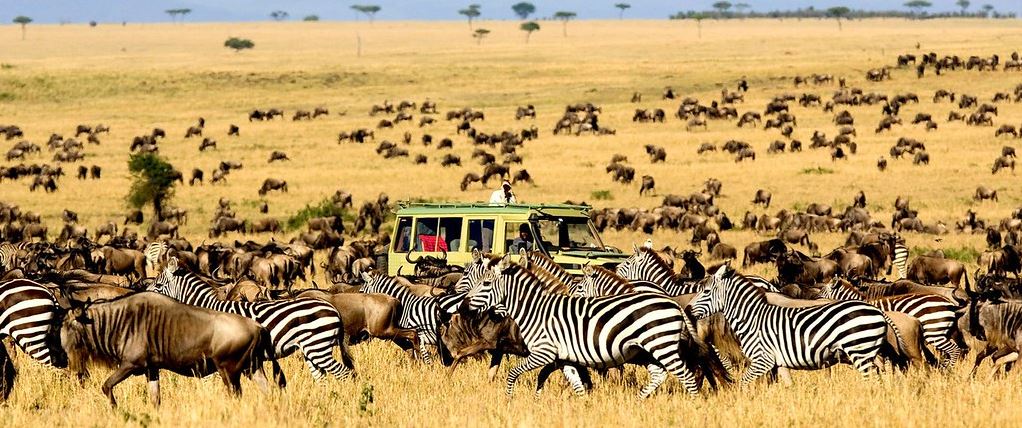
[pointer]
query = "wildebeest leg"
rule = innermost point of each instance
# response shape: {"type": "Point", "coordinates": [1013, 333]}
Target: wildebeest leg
{"type": "Point", "coordinates": [495, 359]}
{"type": "Point", "coordinates": [1003, 358]}
{"type": "Point", "coordinates": [982, 354]}
{"type": "Point", "coordinates": [115, 378]}
{"type": "Point", "coordinates": [544, 374]}
{"type": "Point", "coordinates": [153, 376]}
{"type": "Point", "coordinates": [7, 374]}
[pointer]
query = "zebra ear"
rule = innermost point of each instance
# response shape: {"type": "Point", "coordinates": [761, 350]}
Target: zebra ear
{"type": "Point", "coordinates": [635, 248]}
{"type": "Point", "coordinates": [722, 270]}
{"type": "Point", "coordinates": [476, 255]}
{"type": "Point", "coordinates": [523, 258]}
{"type": "Point", "coordinates": [366, 277]}
{"type": "Point", "coordinates": [648, 244]}
{"type": "Point", "coordinates": [172, 264]}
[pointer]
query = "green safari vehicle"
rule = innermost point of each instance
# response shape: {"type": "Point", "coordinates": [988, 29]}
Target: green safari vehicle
{"type": "Point", "coordinates": [453, 230]}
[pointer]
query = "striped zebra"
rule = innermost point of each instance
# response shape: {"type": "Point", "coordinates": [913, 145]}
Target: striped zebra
{"type": "Point", "coordinates": [901, 259]}
{"type": "Point", "coordinates": [419, 313]}
{"type": "Point", "coordinates": [935, 313]}
{"type": "Point", "coordinates": [154, 253]}
{"type": "Point", "coordinates": [792, 338]}
{"type": "Point", "coordinates": [590, 332]}
{"type": "Point", "coordinates": [599, 281]}
{"type": "Point", "coordinates": [27, 312]}
{"type": "Point", "coordinates": [646, 265]}
{"type": "Point", "coordinates": [9, 255]}
{"type": "Point", "coordinates": [311, 326]}
{"type": "Point", "coordinates": [539, 261]}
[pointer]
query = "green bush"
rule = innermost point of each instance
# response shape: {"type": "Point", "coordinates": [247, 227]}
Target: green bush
{"type": "Point", "coordinates": [324, 208]}
{"type": "Point", "coordinates": [602, 195]}
{"type": "Point", "coordinates": [817, 171]}
{"type": "Point", "coordinates": [962, 254]}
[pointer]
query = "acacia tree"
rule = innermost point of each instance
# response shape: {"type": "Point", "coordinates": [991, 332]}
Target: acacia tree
{"type": "Point", "coordinates": [528, 28]}
{"type": "Point", "coordinates": [152, 182]}
{"type": "Point", "coordinates": [479, 34]}
{"type": "Point", "coordinates": [23, 21]}
{"type": "Point", "coordinates": [722, 7]}
{"type": "Point", "coordinates": [565, 16]}
{"type": "Point", "coordinates": [918, 6]}
{"type": "Point", "coordinates": [988, 9]}
{"type": "Point", "coordinates": [279, 15]}
{"type": "Point", "coordinates": [238, 44]}
{"type": "Point", "coordinates": [838, 12]}
{"type": "Point", "coordinates": [742, 7]}
{"type": "Point", "coordinates": [623, 7]}
{"type": "Point", "coordinates": [311, 18]}
{"type": "Point", "coordinates": [523, 9]}
{"type": "Point", "coordinates": [173, 14]}
{"type": "Point", "coordinates": [184, 12]}
{"type": "Point", "coordinates": [964, 4]}
{"type": "Point", "coordinates": [471, 12]}
{"type": "Point", "coordinates": [369, 10]}
{"type": "Point", "coordinates": [699, 17]}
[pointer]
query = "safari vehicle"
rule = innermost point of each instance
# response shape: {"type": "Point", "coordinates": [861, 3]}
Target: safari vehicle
{"type": "Point", "coordinates": [563, 232]}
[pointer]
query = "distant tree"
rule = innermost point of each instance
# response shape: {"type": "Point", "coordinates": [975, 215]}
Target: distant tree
{"type": "Point", "coordinates": [238, 44]}
{"type": "Point", "coordinates": [988, 9]}
{"type": "Point", "coordinates": [523, 9]}
{"type": "Point", "coordinates": [741, 7]}
{"type": "Point", "coordinates": [565, 16]}
{"type": "Point", "coordinates": [173, 14]}
{"type": "Point", "coordinates": [623, 7]}
{"type": "Point", "coordinates": [152, 182]}
{"type": "Point", "coordinates": [838, 12]}
{"type": "Point", "coordinates": [311, 18]}
{"type": "Point", "coordinates": [369, 10]}
{"type": "Point", "coordinates": [918, 6]}
{"type": "Point", "coordinates": [699, 17]}
{"type": "Point", "coordinates": [93, 24]}
{"type": "Point", "coordinates": [964, 4]}
{"type": "Point", "coordinates": [279, 15]}
{"type": "Point", "coordinates": [722, 7]}
{"type": "Point", "coordinates": [184, 12]}
{"type": "Point", "coordinates": [23, 21]}
{"type": "Point", "coordinates": [471, 12]}
{"type": "Point", "coordinates": [528, 28]}
{"type": "Point", "coordinates": [479, 34]}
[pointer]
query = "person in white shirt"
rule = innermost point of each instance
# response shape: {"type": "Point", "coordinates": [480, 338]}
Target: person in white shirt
{"type": "Point", "coordinates": [503, 195]}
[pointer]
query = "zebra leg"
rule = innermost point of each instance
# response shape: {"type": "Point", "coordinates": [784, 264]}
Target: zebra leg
{"type": "Point", "coordinates": [536, 359]}
{"type": "Point", "coordinates": [758, 368]}
{"type": "Point", "coordinates": [657, 375]}
{"type": "Point", "coordinates": [321, 361]}
{"type": "Point", "coordinates": [545, 373]}
{"type": "Point", "coordinates": [574, 377]}
{"type": "Point", "coordinates": [950, 350]}
{"type": "Point", "coordinates": [495, 359]}
{"type": "Point", "coordinates": [863, 362]}
{"type": "Point", "coordinates": [670, 359]}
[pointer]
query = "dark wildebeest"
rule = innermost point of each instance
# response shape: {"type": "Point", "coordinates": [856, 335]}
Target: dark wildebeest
{"type": "Point", "coordinates": [984, 193]}
{"type": "Point", "coordinates": [931, 270]}
{"type": "Point", "coordinates": [648, 185]}
{"type": "Point", "coordinates": [762, 197]}
{"type": "Point", "coordinates": [146, 332]}
{"type": "Point", "coordinates": [197, 175]}
{"type": "Point", "coordinates": [763, 251]}
{"type": "Point", "coordinates": [272, 184]}
{"type": "Point", "coordinates": [368, 315]}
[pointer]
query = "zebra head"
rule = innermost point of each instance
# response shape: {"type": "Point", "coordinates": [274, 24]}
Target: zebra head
{"type": "Point", "coordinates": [167, 282]}
{"type": "Point", "coordinates": [474, 272]}
{"type": "Point", "coordinates": [374, 282]}
{"type": "Point", "coordinates": [488, 293]}
{"type": "Point", "coordinates": [711, 299]}
{"type": "Point", "coordinates": [587, 286]}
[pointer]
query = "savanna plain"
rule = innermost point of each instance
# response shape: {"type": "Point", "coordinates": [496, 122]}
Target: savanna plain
{"type": "Point", "coordinates": [139, 76]}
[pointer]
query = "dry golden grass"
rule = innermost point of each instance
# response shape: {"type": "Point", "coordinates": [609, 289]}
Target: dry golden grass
{"type": "Point", "coordinates": [140, 76]}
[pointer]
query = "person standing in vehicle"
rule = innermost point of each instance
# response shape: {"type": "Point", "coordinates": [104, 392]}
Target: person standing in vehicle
{"type": "Point", "coordinates": [503, 195]}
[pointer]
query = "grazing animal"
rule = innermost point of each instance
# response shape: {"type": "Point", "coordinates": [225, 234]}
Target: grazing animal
{"type": "Point", "coordinates": [308, 325]}
{"type": "Point", "coordinates": [144, 333]}
{"type": "Point", "coordinates": [762, 197]}
{"type": "Point", "coordinates": [774, 336]}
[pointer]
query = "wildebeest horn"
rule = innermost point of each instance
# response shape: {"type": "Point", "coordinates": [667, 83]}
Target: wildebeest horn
{"type": "Point", "coordinates": [445, 253]}
{"type": "Point", "coordinates": [408, 258]}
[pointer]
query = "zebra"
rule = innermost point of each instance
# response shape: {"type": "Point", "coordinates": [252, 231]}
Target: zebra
{"type": "Point", "coordinates": [154, 253]}
{"type": "Point", "coordinates": [599, 281]}
{"type": "Point", "coordinates": [590, 332]}
{"type": "Point", "coordinates": [901, 259]}
{"type": "Point", "coordinates": [311, 326]}
{"type": "Point", "coordinates": [28, 314]}
{"type": "Point", "coordinates": [646, 265]}
{"type": "Point", "coordinates": [9, 255]}
{"type": "Point", "coordinates": [935, 313]}
{"type": "Point", "coordinates": [419, 313]}
{"type": "Point", "coordinates": [539, 261]}
{"type": "Point", "coordinates": [792, 338]}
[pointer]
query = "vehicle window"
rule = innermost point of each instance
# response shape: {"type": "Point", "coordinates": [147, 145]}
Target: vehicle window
{"type": "Point", "coordinates": [449, 234]}
{"type": "Point", "coordinates": [567, 234]}
{"type": "Point", "coordinates": [518, 236]}
{"type": "Point", "coordinates": [425, 234]}
{"type": "Point", "coordinates": [404, 235]}
{"type": "Point", "coordinates": [480, 235]}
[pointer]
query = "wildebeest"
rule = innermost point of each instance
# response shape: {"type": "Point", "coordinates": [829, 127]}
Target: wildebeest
{"type": "Point", "coordinates": [984, 193]}
{"type": "Point", "coordinates": [146, 332]}
{"type": "Point", "coordinates": [931, 270]}
{"type": "Point", "coordinates": [763, 251]}
{"type": "Point", "coordinates": [648, 185]}
{"type": "Point", "coordinates": [272, 184]}
{"type": "Point", "coordinates": [1003, 162]}
{"type": "Point", "coordinates": [762, 197]}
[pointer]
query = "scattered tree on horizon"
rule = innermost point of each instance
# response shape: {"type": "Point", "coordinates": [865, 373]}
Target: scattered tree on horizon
{"type": "Point", "coordinates": [528, 28]}
{"type": "Point", "coordinates": [152, 182]}
{"type": "Point", "coordinates": [479, 34]}
{"type": "Point", "coordinates": [565, 16]}
{"type": "Point", "coordinates": [722, 7]}
{"type": "Point", "coordinates": [838, 12]}
{"type": "Point", "coordinates": [988, 9]}
{"type": "Point", "coordinates": [312, 17]}
{"type": "Point", "coordinates": [174, 13]}
{"type": "Point", "coordinates": [238, 44]}
{"type": "Point", "coordinates": [964, 4]}
{"type": "Point", "coordinates": [369, 10]}
{"type": "Point", "coordinates": [279, 15]}
{"type": "Point", "coordinates": [471, 12]}
{"type": "Point", "coordinates": [523, 9]}
{"type": "Point", "coordinates": [23, 21]}
{"type": "Point", "coordinates": [623, 7]}
{"type": "Point", "coordinates": [918, 6]}
{"type": "Point", "coordinates": [699, 17]}
{"type": "Point", "coordinates": [741, 7]}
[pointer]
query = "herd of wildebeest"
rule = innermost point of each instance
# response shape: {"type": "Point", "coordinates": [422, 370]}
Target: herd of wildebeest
{"type": "Point", "coordinates": [219, 306]}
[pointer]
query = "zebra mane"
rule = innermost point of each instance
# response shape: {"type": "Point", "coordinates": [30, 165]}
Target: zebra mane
{"type": "Point", "coordinates": [542, 262]}
{"type": "Point", "coordinates": [659, 261]}
{"type": "Point", "coordinates": [613, 276]}
{"type": "Point", "coordinates": [531, 277]}
{"type": "Point", "coordinates": [847, 286]}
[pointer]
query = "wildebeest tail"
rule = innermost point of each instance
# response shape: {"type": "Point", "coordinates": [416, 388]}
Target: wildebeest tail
{"type": "Point", "coordinates": [342, 344]}
{"type": "Point", "coordinates": [265, 351]}
{"type": "Point", "coordinates": [7, 374]}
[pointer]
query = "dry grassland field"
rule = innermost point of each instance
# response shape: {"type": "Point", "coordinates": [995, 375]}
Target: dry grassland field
{"type": "Point", "coordinates": [136, 77]}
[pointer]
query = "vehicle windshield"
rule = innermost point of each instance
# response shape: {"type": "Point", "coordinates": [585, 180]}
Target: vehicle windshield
{"type": "Point", "coordinates": [567, 233]}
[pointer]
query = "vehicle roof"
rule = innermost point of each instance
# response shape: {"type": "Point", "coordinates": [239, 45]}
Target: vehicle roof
{"type": "Point", "coordinates": [409, 208]}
